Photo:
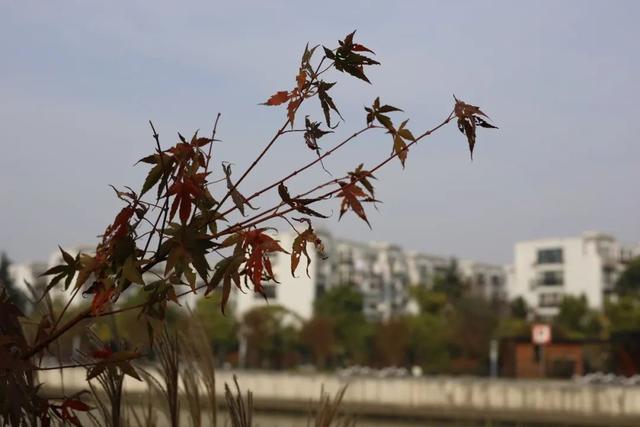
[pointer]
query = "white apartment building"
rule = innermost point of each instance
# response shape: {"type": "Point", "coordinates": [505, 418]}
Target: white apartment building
{"type": "Point", "coordinates": [382, 272]}
{"type": "Point", "coordinates": [546, 270]}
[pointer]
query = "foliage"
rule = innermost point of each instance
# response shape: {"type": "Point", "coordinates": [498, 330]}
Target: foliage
{"type": "Point", "coordinates": [429, 301]}
{"type": "Point", "coordinates": [429, 340]}
{"type": "Point", "coordinates": [14, 294]}
{"type": "Point", "coordinates": [449, 281]}
{"type": "Point", "coordinates": [271, 336]}
{"type": "Point", "coordinates": [344, 305]}
{"type": "Point", "coordinates": [629, 280]}
{"type": "Point", "coordinates": [623, 313]}
{"type": "Point", "coordinates": [191, 227]}
{"type": "Point", "coordinates": [519, 308]}
{"type": "Point", "coordinates": [318, 334]}
{"type": "Point", "coordinates": [391, 342]}
{"type": "Point", "coordinates": [221, 330]}
{"type": "Point", "coordinates": [576, 320]}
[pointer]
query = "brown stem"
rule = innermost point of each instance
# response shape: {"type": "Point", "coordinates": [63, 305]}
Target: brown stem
{"type": "Point", "coordinates": [165, 206]}
{"type": "Point", "coordinates": [302, 169]}
{"type": "Point", "coordinates": [279, 133]}
{"type": "Point", "coordinates": [257, 218]}
{"type": "Point", "coordinates": [56, 334]}
{"type": "Point", "coordinates": [80, 365]}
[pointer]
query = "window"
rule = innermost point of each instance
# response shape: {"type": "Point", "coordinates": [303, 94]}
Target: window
{"type": "Point", "coordinates": [550, 299]}
{"type": "Point", "coordinates": [496, 281]}
{"type": "Point", "coordinates": [551, 278]}
{"type": "Point", "coordinates": [550, 256]}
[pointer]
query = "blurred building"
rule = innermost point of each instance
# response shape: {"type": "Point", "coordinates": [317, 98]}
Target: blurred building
{"type": "Point", "coordinates": [382, 272]}
{"type": "Point", "coordinates": [546, 270]}
{"type": "Point", "coordinates": [28, 278]}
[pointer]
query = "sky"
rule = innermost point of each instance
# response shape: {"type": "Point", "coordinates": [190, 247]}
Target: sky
{"type": "Point", "coordinates": [79, 81]}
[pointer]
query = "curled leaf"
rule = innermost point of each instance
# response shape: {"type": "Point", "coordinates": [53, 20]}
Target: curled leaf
{"type": "Point", "coordinates": [468, 118]}
{"type": "Point", "coordinates": [299, 248]}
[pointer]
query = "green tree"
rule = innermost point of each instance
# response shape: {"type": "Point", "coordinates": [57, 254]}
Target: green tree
{"type": "Point", "coordinates": [629, 280]}
{"type": "Point", "coordinates": [344, 304]}
{"type": "Point", "coordinates": [623, 314]}
{"type": "Point", "coordinates": [221, 329]}
{"type": "Point", "coordinates": [518, 308]}
{"type": "Point", "coordinates": [429, 336]}
{"type": "Point", "coordinates": [318, 335]}
{"type": "Point", "coordinates": [429, 301]}
{"type": "Point", "coordinates": [576, 320]}
{"type": "Point", "coordinates": [391, 341]}
{"type": "Point", "coordinates": [473, 327]}
{"type": "Point", "coordinates": [272, 337]}
{"type": "Point", "coordinates": [449, 281]}
{"type": "Point", "coordinates": [17, 297]}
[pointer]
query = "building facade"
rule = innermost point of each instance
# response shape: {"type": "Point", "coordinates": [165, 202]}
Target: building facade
{"type": "Point", "coordinates": [382, 272]}
{"type": "Point", "coordinates": [546, 270]}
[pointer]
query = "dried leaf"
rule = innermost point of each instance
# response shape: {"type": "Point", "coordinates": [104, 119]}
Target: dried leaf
{"type": "Point", "coordinates": [468, 118]}
{"type": "Point", "coordinates": [278, 98]}
{"type": "Point", "coordinates": [299, 248]}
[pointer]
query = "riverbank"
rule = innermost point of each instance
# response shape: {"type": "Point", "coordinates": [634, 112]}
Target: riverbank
{"type": "Point", "coordinates": [447, 398]}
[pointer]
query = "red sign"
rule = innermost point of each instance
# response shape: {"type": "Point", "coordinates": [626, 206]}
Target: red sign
{"type": "Point", "coordinates": [541, 334]}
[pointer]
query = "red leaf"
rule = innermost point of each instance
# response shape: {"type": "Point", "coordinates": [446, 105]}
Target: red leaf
{"type": "Point", "coordinates": [360, 48]}
{"type": "Point", "coordinates": [350, 193]}
{"type": "Point", "coordinates": [76, 405]}
{"type": "Point", "coordinates": [103, 353]}
{"type": "Point", "coordinates": [278, 98]}
{"type": "Point", "coordinates": [185, 191]}
{"type": "Point", "coordinates": [100, 300]}
{"type": "Point", "coordinates": [259, 244]}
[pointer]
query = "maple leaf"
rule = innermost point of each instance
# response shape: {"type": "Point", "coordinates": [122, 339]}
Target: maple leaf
{"type": "Point", "coordinates": [186, 192]}
{"type": "Point", "coordinates": [360, 48]}
{"type": "Point", "coordinates": [66, 271]}
{"type": "Point", "coordinates": [102, 353]}
{"type": "Point", "coordinates": [278, 98]}
{"type": "Point", "coordinates": [197, 141]}
{"type": "Point", "coordinates": [313, 133]}
{"type": "Point", "coordinates": [257, 244]}
{"type": "Point", "coordinates": [89, 265]}
{"type": "Point", "coordinates": [67, 415]}
{"type": "Point", "coordinates": [299, 248]}
{"type": "Point", "coordinates": [468, 118]}
{"type": "Point", "coordinates": [346, 59]}
{"type": "Point", "coordinates": [238, 199]}
{"type": "Point", "coordinates": [379, 112]}
{"type": "Point", "coordinates": [120, 359]}
{"type": "Point", "coordinates": [363, 177]}
{"type": "Point", "coordinates": [399, 145]}
{"type": "Point", "coordinates": [162, 169]}
{"type": "Point", "coordinates": [227, 271]}
{"type": "Point", "coordinates": [326, 102]}
{"type": "Point", "coordinates": [188, 245]}
{"type": "Point", "coordinates": [297, 203]}
{"type": "Point", "coordinates": [120, 224]}
{"type": "Point", "coordinates": [351, 195]}
{"type": "Point", "coordinates": [305, 62]}
{"type": "Point", "coordinates": [101, 299]}
{"type": "Point", "coordinates": [292, 108]}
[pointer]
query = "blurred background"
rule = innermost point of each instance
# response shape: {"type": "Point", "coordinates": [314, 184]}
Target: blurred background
{"type": "Point", "coordinates": [520, 266]}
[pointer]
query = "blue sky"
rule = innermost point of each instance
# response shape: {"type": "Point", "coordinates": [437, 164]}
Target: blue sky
{"type": "Point", "coordinates": [79, 80]}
